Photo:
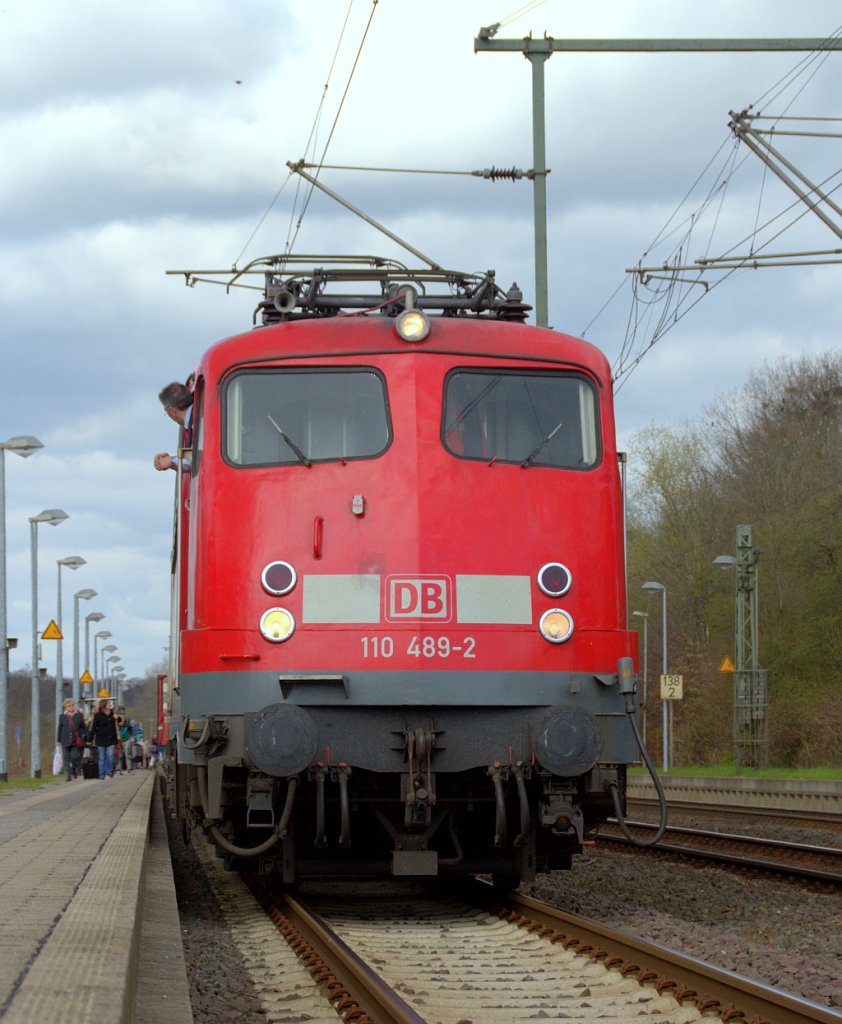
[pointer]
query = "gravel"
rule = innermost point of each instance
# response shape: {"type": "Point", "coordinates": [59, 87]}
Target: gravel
{"type": "Point", "coordinates": [780, 932]}
{"type": "Point", "coordinates": [221, 989]}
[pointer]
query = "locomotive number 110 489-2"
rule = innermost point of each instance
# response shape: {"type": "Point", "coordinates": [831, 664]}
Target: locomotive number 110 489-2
{"type": "Point", "coordinates": [419, 647]}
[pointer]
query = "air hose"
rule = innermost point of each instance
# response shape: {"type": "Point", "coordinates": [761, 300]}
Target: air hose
{"type": "Point", "coordinates": [203, 738]}
{"type": "Point", "coordinates": [248, 851]}
{"type": "Point", "coordinates": [627, 688]}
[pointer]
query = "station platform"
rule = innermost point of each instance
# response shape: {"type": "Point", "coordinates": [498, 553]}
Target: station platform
{"type": "Point", "coordinates": [816, 796]}
{"type": "Point", "coordinates": [89, 927]}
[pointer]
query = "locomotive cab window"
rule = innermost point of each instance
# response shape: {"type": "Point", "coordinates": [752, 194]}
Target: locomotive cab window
{"type": "Point", "coordinates": [528, 418]}
{"type": "Point", "coordinates": [282, 417]}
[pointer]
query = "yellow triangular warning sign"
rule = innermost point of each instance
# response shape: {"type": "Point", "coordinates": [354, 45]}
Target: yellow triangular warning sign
{"type": "Point", "coordinates": [86, 677]}
{"type": "Point", "coordinates": [103, 693]}
{"type": "Point", "coordinates": [726, 665]}
{"type": "Point", "coordinates": [52, 632]}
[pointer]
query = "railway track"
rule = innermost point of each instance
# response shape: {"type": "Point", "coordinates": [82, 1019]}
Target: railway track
{"type": "Point", "coordinates": [825, 820]}
{"type": "Point", "coordinates": [408, 953]}
{"type": "Point", "coordinates": [820, 862]}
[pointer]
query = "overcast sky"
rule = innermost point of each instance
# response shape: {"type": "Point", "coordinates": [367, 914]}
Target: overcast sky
{"type": "Point", "coordinates": [137, 138]}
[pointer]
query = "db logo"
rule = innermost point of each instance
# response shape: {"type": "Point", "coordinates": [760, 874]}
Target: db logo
{"type": "Point", "coordinates": [418, 597]}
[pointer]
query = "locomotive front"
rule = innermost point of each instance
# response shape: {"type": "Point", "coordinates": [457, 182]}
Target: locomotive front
{"type": "Point", "coordinates": [401, 599]}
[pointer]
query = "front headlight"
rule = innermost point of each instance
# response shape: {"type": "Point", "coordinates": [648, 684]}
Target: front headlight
{"type": "Point", "coordinates": [556, 625]}
{"type": "Point", "coordinates": [277, 625]}
{"type": "Point", "coordinates": [412, 325]}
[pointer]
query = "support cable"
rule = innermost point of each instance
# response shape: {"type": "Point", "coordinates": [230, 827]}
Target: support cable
{"type": "Point", "coordinates": [679, 296]}
{"type": "Point", "coordinates": [309, 193]}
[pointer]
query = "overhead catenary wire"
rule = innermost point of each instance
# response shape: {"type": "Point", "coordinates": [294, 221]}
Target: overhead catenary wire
{"type": "Point", "coordinates": [296, 220]}
{"type": "Point", "coordinates": [671, 287]}
{"type": "Point", "coordinates": [519, 12]}
{"type": "Point", "coordinates": [310, 140]}
{"type": "Point", "coordinates": [295, 224]}
{"type": "Point", "coordinates": [668, 320]}
{"type": "Point", "coordinates": [309, 193]}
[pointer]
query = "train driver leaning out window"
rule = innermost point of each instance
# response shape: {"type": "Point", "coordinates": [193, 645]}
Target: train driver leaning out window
{"type": "Point", "coordinates": [177, 400]}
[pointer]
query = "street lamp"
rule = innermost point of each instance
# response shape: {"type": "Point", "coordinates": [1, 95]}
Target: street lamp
{"type": "Point", "coordinates": [645, 617]}
{"type": "Point", "coordinates": [81, 595]}
{"type": "Point", "coordinates": [23, 446]}
{"type": "Point", "coordinates": [109, 649]}
{"type": "Point", "coordinates": [103, 634]}
{"type": "Point", "coordinates": [53, 516]}
{"type": "Point", "coordinates": [659, 586]}
{"type": "Point", "coordinates": [92, 617]}
{"type": "Point", "coordinates": [71, 562]}
{"type": "Point", "coordinates": [119, 675]}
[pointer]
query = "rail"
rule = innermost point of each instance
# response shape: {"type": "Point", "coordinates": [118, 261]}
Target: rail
{"type": "Point", "coordinates": [803, 860]}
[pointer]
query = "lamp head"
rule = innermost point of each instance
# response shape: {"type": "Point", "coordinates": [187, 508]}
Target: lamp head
{"type": "Point", "coordinates": [23, 445]}
{"type": "Point", "coordinates": [85, 595]}
{"type": "Point", "coordinates": [650, 585]}
{"type": "Point", "coordinates": [53, 516]}
{"type": "Point", "coordinates": [72, 561]}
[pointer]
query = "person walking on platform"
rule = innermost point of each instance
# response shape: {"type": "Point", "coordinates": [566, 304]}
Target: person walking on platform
{"type": "Point", "coordinates": [71, 735]}
{"type": "Point", "coordinates": [104, 734]}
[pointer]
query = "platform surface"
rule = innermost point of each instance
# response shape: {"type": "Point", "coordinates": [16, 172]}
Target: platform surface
{"type": "Point", "coordinates": [75, 878]}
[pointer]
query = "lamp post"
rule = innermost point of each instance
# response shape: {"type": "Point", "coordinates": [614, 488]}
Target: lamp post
{"type": "Point", "coordinates": [103, 634]}
{"type": "Point", "coordinates": [108, 649]}
{"type": "Point", "coordinates": [119, 677]}
{"type": "Point", "coordinates": [665, 717]}
{"type": "Point", "coordinates": [93, 617]}
{"type": "Point", "coordinates": [111, 666]}
{"type": "Point", "coordinates": [645, 617]}
{"type": "Point", "coordinates": [23, 446]}
{"type": "Point", "coordinates": [53, 516]}
{"type": "Point", "coordinates": [71, 562]}
{"type": "Point", "coordinates": [80, 595]}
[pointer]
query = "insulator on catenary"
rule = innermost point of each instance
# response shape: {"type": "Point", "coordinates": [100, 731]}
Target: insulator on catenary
{"type": "Point", "coordinates": [501, 173]}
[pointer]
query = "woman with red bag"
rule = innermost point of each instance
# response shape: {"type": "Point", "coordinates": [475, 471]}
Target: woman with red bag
{"type": "Point", "coordinates": [71, 734]}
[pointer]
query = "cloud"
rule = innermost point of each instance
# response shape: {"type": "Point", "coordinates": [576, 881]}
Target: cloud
{"type": "Point", "coordinates": [141, 138]}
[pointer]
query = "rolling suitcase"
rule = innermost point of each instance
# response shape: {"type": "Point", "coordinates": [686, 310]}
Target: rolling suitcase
{"type": "Point", "coordinates": [90, 769]}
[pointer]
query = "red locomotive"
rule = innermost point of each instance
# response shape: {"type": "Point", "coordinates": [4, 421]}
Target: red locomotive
{"type": "Point", "coordinates": [401, 641]}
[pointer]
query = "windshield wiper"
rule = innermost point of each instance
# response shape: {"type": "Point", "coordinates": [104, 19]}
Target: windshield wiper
{"type": "Point", "coordinates": [302, 458]}
{"type": "Point", "coordinates": [528, 460]}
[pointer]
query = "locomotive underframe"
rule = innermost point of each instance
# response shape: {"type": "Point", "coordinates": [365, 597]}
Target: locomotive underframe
{"type": "Point", "coordinates": [393, 791]}
{"type": "Point", "coordinates": [462, 830]}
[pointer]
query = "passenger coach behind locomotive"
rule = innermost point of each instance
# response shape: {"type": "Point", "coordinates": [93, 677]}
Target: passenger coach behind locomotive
{"type": "Point", "coordinates": [400, 638]}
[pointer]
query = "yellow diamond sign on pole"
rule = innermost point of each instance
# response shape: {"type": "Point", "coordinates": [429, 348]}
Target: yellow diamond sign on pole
{"type": "Point", "coordinates": [52, 632]}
